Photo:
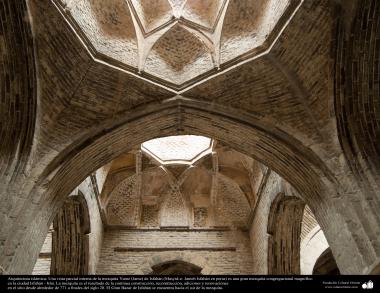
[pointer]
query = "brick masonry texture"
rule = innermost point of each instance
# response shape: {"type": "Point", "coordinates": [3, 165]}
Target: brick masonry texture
{"type": "Point", "coordinates": [308, 110]}
{"type": "Point", "coordinates": [258, 232]}
{"type": "Point", "coordinates": [275, 187]}
{"type": "Point", "coordinates": [213, 262]}
{"type": "Point", "coordinates": [357, 90]}
{"type": "Point", "coordinates": [18, 92]}
{"type": "Point", "coordinates": [96, 224]}
{"type": "Point", "coordinates": [180, 196]}
{"type": "Point", "coordinates": [308, 222]}
{"type": "Point", "coordinates": [176, 48]}
{"type": "Point", "coordinates": [95, 233]}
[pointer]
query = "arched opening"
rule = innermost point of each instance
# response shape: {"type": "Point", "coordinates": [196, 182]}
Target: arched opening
{"type": "Point", "coordinates": [70, 242]}
{"type": "Point", "coordinates": [162, 209]}
{"type": "Point", "coordinates": [67, 112]}
{"type": "Point", "coordinates": [284, 229]}
{"type": "Point", "coordinates": [176, 267]}
{"type": "Point", "coordinates": [326, 264]}
{"type": "Point", "coordinates": [280, 152]}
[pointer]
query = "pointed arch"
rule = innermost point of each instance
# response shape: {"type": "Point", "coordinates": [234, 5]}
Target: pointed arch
{"type": "Point", "coordinates": [288, 157]}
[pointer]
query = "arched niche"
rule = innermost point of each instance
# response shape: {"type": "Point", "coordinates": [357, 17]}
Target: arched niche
{"type": "Point", "coordinates": [123, 206]}
{"type": "Point", "coordinates": [176, 267]}
{"type": "Point", "coordinates": [186, 258]}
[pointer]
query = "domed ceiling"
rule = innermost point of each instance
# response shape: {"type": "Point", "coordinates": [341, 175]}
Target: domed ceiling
{"type": "Point", "coordinates": [180, 149]}
{"type": "Point", "coordinates": [177, 43]}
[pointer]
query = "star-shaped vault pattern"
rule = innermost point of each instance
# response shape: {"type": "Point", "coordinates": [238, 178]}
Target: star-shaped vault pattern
{"type": "Point", "coordinates": [177, 43]}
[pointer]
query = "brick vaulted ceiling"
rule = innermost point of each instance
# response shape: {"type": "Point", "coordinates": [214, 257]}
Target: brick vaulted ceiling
{"type": "Point", "coordinates": [70, 108]}
{"type": "Point", "coordinates": [177, 43]}
{"type": "Point", "coordinates": [82, 100]}
{"type": "Point", "coordinates": [286, 86]}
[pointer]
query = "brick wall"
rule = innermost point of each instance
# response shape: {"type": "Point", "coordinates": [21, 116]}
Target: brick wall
{"type": "Point", "coordinates": [135, 251]}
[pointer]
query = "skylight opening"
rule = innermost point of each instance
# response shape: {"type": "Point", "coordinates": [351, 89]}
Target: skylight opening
{"type": "Point", "coordinates": [179, 149]}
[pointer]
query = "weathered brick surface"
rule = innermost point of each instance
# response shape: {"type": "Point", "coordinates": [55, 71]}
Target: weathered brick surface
{"type": "Point", "coordinates": [150, 216]}
{"type": "Point", "coordinates": [176, 60]}
{"type": "Point", "coordinates": [278, 109]}
{"type": "Point", "coordinates": [71, 228]}
{"type": "Point", "coordinates": [200, 217]}
{"type": "Point", "coordinates": [18, 91]}
{"type": "Point", "coordinates": [95, 233]}
{"type": "Point", "coordinates": [357, 98]}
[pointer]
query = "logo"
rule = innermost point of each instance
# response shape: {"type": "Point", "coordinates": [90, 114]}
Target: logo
{"type": "Point", "coordinates": [368, 285]}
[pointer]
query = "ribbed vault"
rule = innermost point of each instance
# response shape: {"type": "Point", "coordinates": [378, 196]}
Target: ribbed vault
{"type": "Point", "coordinates": [286, 109]}
{"type": "Point", "coordinates": [160, 26]}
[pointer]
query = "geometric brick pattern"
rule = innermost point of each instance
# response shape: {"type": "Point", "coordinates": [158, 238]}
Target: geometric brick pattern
{"type": "Point", "coordinates": [173, 211]}
{"type": "Point", "coordinates": [123, 206]}
{"type": "Point", "coordinates": [149, 216]}
{"type": "Point", "coordinates": [176, 44]}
